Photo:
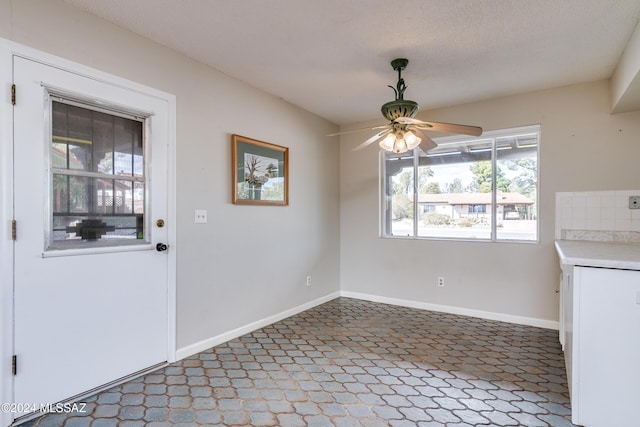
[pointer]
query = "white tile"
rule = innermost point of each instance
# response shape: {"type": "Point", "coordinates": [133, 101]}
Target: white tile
{"type": "Point", "coordinates": [625, 194]}
{"type": "Point", "coordinates": [607, 224]}
{"type": "Point", "coordinates": [623, 213]}
{"type": "Point", "coordinates": [563, 199]}
{"type": "Point", "coordinates": [578, 213]}
{"type": "Point", "coordinates": [607, 212]}
{"type": "Point", "coordinates": [592, 224]}
{"type": "Point", "coordinates": [622, 201]}
{"type": "Point", "coordinates": [608, 200]}
{"type": "Point", "coordinates": [579, 202]}
{"type": "Point", "coordinates": [623, 224]}
{"type": "Point", "coordinates": [565, 218]}
{"type": "Point", "coordinates": [592, 213]}
{"type": "Point", "coordinates": [593, 201]}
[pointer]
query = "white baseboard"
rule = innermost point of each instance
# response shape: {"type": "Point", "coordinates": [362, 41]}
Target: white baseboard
{"type": "Point", "coordinates": [520, 320]}
{"type": "Point", "coordinates": [205, 344]}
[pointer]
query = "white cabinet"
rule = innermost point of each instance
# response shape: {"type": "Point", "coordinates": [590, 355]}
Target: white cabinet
{"type": "Point", "coordinates": [601, 324]}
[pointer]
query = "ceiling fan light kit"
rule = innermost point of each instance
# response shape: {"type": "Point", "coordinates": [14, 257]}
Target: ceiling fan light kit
{"type": "Point", "coordinates": [404, 132]}
{"type": "Point", "coordinates": [400, 140]}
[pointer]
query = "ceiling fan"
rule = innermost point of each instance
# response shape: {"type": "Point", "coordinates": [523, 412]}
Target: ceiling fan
{"type": "Point", "coordinates": [404, 133]}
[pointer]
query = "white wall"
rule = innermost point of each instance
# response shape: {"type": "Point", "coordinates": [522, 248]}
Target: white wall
{"type": "Point", "coordinates": [625, 81]}
{"type": "Point", "coordinates": [249, 262]}
{"type": "Point", "coordinates": [582, 148]}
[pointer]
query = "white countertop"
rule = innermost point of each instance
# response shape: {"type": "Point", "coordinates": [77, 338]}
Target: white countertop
{"type": "Point", "coordinates": [599, 254]}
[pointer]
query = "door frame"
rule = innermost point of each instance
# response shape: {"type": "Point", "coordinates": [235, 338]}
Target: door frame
{"type": "Point", "coordinates": [9, 49]}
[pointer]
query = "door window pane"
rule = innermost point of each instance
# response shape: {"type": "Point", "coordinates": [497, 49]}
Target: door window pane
{"type": "Point", "coordinates": [97, 181]}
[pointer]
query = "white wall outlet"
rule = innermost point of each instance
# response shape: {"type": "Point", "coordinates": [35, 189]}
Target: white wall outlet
{"type": "Point", "coordinates": [634, 202]}
{"type": "Point", "coordinates": [441, 282]}
{"type": "Point", "coordinates": [308, 280]}
{"type": "Point", "coordinates": [201, 216]}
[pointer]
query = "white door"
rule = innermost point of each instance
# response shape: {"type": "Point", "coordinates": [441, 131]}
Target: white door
{"type": "Point", "coordinates": [91, 290]}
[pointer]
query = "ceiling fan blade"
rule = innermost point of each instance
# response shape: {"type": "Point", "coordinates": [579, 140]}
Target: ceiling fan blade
{"type": "Point", "coordinates": [427, 143]}
{"type": "Point", "coordinates": [409, 121]}
{"type": "Point", "coordinates": [373, 139]}
{"type": "Point", "coordinates": [357, 130]}
{"type": "Point", "coordinates": [442, 127]}
{"type": "Point", "coordinates": [455, 128]}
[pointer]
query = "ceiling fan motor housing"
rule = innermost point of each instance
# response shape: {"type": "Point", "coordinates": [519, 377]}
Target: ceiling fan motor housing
{"type": "Point", "coordinates": [399, 108]}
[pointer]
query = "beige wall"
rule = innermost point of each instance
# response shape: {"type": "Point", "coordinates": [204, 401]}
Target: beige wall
{"type": "Point", "coordinates": [248, 262]}
{"type": "Point", "coordinates": [582, 147]}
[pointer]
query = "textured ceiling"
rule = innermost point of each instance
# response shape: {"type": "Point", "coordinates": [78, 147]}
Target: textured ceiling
{"type": "Point", "coordinates": [331, 57]}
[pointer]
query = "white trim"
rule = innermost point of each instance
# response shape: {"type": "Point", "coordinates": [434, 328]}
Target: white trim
{"type": "Point", "coordinates": [172, 220]}
{"type": "Point", "coordinates": [205, 344]}
{"type": "Point", "coordinates": [6, 215]}
{"type": "Point", "coordinates": [8, 49]}
{"type": "Point", "coordinates": [520, 320]}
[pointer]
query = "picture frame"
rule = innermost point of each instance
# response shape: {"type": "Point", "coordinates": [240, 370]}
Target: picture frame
{"type": "Point", "coordinates": [260, 172]}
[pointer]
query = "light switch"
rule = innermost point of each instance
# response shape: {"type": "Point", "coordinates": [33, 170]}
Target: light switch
{"type": "Point", "coordinates": [634, 202]}
{"type": "Point", "coordinates": [201, 216]}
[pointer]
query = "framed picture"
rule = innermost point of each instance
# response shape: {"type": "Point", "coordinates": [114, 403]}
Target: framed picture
{"type": "Point", "coordinates": [260, 172]}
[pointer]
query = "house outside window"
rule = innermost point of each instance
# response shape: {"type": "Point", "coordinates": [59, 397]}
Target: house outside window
{"type": "Point", "coordinates": [467, 188]}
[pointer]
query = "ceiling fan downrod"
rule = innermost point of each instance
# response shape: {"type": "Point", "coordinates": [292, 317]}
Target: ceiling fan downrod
{"type": "Point", "coordinates": [400, 107]}
{"type": "Point", "coordinates": [399, 64]}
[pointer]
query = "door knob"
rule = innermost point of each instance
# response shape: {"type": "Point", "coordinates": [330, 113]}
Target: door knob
{"type": "Point", "coordinates": [160, 247]}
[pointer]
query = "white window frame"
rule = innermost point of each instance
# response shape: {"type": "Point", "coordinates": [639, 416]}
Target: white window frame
{"type": "Point", "coordinates": [63, 97]}
{"type": "Point", "coordinates": [443, 142]}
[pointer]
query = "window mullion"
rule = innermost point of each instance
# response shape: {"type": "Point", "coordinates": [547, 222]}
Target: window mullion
{"type": "Point", "coordinates": [415, 192]}
{"type": "Point", "coordinates": [494, 190]}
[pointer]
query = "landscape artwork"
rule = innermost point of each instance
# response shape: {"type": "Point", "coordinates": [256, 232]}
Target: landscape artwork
{"type": "Point", "coordinates": [260, 172]}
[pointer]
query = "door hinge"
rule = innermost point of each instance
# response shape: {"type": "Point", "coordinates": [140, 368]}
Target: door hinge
{"type": "Point", "coordinates": [14, 364]}
{"type": "Point", "coordinates": [14, 230]}
{"type": "Point", "coordinates": [13, 94]}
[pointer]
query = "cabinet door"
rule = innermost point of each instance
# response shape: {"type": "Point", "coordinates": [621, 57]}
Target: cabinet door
{"type": "Point", "coordinates": [608, 347]}
{"type": "Point", "coordinates": [567, 321]}
{"type": "Point", "coordinates": [561, 311]}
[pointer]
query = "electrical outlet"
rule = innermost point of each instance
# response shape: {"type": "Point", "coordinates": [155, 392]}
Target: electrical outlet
{"type": "Point", "coordinates": [441, 282]}
{"type": "Point", "coordinates": [201, 216]}
{"type": "Point", "coordinates": [634, 202]}
{"type": "Point", "coordinates": [308, 280]}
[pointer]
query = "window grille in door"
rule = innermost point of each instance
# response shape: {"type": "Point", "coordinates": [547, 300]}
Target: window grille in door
{"type": "Point", "coordinates": [97, 179]}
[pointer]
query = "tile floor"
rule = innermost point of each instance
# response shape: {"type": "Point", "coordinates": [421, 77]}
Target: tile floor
{"type": "Point", "coordinates": [351, 363]}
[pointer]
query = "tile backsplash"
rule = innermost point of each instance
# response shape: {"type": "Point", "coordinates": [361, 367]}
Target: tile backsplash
{"type": "Point", "coordinates": [597, 215]}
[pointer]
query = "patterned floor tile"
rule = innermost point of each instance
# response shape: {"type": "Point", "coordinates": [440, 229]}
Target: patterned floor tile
{"type": "Point", "coordinates": [351, 363]}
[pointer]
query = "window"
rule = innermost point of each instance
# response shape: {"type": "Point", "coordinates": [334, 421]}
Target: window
{"type": "Point", "coordinates": [97, 176]}
{"type": "Point", "coordinates": [481, 188]}
{"type": "Point", "coordinates": [477, 208]}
